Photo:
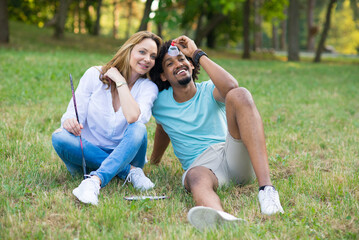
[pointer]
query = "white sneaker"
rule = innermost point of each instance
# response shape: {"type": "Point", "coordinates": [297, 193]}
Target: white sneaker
{"type": "Point", "coordinates": [269, 201]}
{"type": "Point", "coordinates": [139, 180]}
{"type": "Point", "coordinates": [88, 191]}
{"type": "Point", "coordinates": [205, 217]}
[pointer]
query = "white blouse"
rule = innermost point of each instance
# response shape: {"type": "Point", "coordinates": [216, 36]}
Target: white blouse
{"type": "Point", "coordinates": [103, 126]}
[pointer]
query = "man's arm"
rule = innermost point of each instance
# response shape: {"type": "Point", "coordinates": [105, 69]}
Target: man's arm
{"type": "Point", "coordinates": [160, 145]}
{"type": "Point", "coordinates": [223, 80]}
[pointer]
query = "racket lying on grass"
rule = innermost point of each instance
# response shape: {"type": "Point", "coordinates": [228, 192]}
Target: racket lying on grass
{"type": "Point", "coordinates": [77, 117]}
{"type": "Point", "coordinates": [134, 198]}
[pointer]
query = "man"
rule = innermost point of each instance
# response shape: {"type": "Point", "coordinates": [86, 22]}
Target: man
{"type": "Point", "coordinates": [215, 129]}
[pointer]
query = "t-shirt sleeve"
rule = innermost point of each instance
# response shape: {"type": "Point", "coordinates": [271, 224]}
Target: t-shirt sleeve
{"type": "Point", "coordinates": [82, 94]}
{"type": "Point", "coordinates": [208, 88]}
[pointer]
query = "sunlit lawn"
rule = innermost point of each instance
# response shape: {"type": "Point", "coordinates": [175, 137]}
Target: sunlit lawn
{"type": "Point", "coordinates": [311, 118]}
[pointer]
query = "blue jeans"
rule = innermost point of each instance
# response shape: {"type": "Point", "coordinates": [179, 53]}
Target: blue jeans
{"type": "Point", "coordinates": [105, 163]}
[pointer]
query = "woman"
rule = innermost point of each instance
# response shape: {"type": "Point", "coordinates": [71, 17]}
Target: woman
{"type": "Point", "coordinates": [114, 102]}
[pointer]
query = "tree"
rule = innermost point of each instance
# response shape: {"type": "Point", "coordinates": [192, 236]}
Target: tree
{"type": "Point", "coordinates": [206, 16]}
{"type": "Point", "coordinates": [257, 25]}
{"type": "Point", "coordinates": [211, 39]}
{"type": "Point", "coordinates": [129, 17]}
{"type": "Point", "coordinates": [311, 28]}
{"type": "Point", "coordinates": [283, 34]}
{"type": "Point", "coordinates": [354, 6]}
{"type": "Point", "coordinates": [166, 15]}
{"type": "Point", "coordinates": [324, 34]}
{"type": "Point", "coordinates": [204, 30]}
{"type": "Point", "coordinates": [275, 42]}
{"type": "Point", "coordinates": [88, 20]}
{"type": "Point", "coordinates": [343, 24]}
{"type": "Point", "coordinates": [246, 27]}
{"type": "Point", "coordinates": [146, 16]}
{"type": "Point", "coordinates": [61, 18]}
{"type": "Point", "coordinates": [275, 13]}
{"type": "Point", "coordinates": [96, 30]}
{"type": "Point", "coordinates": [293, 30]}
{"type": "Point", "coordinates": [116, 19]}
{"type": "Point", "coordinates": [4, 22]}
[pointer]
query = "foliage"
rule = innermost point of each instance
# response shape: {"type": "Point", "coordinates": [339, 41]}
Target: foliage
{"type": "Point", "coordinates": [274, 9]}
{"type": "Point", "coordinates": [311, 120]}
{"type": "Point", "coordinates": [168, 13]}
{"type": "Point", "coordinates": [32, 11]}
{"type": "Point", "coordinates": [190, 17]}
{"type": "Point", "coordinates": [343, 35]}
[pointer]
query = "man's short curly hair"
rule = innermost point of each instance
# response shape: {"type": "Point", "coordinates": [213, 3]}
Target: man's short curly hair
{"type": "Point", "coordinates": [156, 71]}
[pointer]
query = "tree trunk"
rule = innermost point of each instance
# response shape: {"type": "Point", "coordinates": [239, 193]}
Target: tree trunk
{"type": "Point", "coordinates": [61, 19]}
{"type": "Point", "coordinates": [96, 30]}
{"type": "Point", "coordinates": [4, 22]}
{"type": "Point", "coordinates": [159, 29]}
{"type": "Point", "coordinates": [82, 24]}
{"type": "Point", "coordinates": [199, 28]}
{"type": "Point", "coordinates": [146, 16]}
{"type": "Point", "coordinates": [283, 34]}
{"type": "Point", "coordinates": [326, 28]}
{"type": "Point", "coordinates": [293, 30]}
{"type": "Point", "coordinates": [211, 36]}
{"type": "Point", "coordinates": [211, 39]}
{"type": "Point", "coordinates": [246, 26]}
{"type": "Point", "coordinates": [211, 25]}
{"type": "Point", "coordinates": [129, 18]}
{"type": "Point", "coordinates": [274, 34]}
{"type": "Point", "coordinates": [311, 29]}
{"type": "Point", "coordinates": [88, 20]}
{"type": "Point", "coordinates": [257, 25]}
{"type": "Point", "coordinates": [116, 19]}
{"type": "Point", "coordinates": [354, 6]}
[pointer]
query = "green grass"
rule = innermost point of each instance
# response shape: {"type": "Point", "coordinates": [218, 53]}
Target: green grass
{"type": "Point", "coordinates": [311, 119]}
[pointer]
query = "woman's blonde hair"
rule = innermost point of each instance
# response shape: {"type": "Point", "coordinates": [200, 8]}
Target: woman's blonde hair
{"type": "Point", "coordinates": [121, 60]}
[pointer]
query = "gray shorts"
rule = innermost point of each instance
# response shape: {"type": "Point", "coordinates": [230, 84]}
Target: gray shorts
{"type": "Point", "coordinates": [229, 161]}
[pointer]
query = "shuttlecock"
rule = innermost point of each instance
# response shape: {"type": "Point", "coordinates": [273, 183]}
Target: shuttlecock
{"type": "Point", "coordinates": [173, 50]}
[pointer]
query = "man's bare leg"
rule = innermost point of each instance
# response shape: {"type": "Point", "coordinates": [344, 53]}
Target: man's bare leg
{"type": "Point", "coordinates": [208, 212]}
{"type": "Point", "coordinates": [245, 123]}
{"type": "Point", "coordinates": [202, 183]}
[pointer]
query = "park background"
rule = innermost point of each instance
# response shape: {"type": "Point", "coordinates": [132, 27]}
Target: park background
{"type": "Point", "coordinates": [299, 59]}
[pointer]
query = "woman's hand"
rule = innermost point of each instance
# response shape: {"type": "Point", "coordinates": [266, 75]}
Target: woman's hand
{"type": "Point", "coordinates": [72, 126]}
{"type": "Point", "coordinates": [114, 75]}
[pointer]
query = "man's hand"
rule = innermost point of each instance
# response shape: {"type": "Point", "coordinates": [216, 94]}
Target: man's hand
{"type": "Point", "coordinates": [72, 126]}
{"type": "Point", "coordinates": [186, 45]}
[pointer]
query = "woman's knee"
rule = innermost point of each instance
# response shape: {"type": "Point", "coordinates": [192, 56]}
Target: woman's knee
{"type": "Point", "coordinates": [56, 137]}
{"type": "Point", "coordinates": [137, 130]}
{"type": "Point", "coordinates": [138, 125]}
{"type": "Point", "coordinates": [61, 137]}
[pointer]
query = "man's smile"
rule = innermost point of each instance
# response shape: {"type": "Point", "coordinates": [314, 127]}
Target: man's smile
{"type": "Point", "coordinates": [181, 70]}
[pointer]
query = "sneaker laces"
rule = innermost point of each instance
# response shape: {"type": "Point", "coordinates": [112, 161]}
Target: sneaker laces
{"type": "Point", "coordinates": [94, 186]}
{"type": "Point", "coordinates": [272, 197]}
{"type": "Point", "coordinates": [128, 178]}
{"type": "Point", "coordinates": [131, 174]}
{"type": "Point", "coordinates": [138, 179]}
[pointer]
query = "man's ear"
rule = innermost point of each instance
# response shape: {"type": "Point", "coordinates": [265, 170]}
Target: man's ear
{"type": "Point", "coordinates": [163, 78]}
{"type": "Point", "coordinates": [192, 67]}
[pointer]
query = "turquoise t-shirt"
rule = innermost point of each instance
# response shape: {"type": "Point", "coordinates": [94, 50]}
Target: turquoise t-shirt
{"type": "Point", "coordinates": [193, 125]}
